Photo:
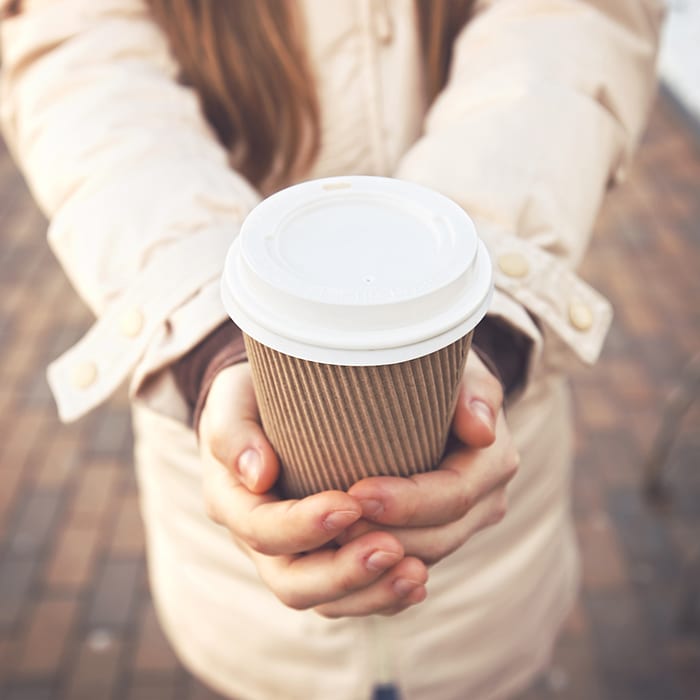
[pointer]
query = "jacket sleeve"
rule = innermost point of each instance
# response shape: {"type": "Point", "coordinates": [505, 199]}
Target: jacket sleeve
{"type": "Point", "coordinates": [141, 201]}
{"type": "Point", "coordinates": [544, 104]}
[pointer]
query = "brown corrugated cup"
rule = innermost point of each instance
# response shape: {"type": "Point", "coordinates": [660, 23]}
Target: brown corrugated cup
{"type": "Point", "coordinates": [332, 425]}
{"type": "Point", "coordinates": [358, 298]}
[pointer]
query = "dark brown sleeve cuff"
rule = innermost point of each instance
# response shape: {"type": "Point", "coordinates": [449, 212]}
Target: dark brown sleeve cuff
{"type": "Point", "coordinates": [195, 371]}
{"type": "Point", "coordinates": [504, 350]}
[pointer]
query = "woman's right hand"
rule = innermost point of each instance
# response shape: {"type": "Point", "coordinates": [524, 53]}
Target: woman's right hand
{"type": "Point", "coordinates": [291, 542]}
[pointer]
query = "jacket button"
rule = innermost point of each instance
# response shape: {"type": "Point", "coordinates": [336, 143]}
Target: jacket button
{"type": "Point", "coordinates": [580, 315]}
{"type": "Point", "coordinates": [513, 265]}
{"type": "Point", "coordinates": [84, 375]}
{"type": "Point", "coordinates": [131, 323]}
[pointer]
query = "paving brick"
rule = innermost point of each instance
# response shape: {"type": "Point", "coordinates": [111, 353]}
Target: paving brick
{"type": "Point", "coordinates": [65, 336]}
{"type": "Point", "coordinates": [165, 687]}
{"type": "Point", "coordinates": [19, 366]}
{"type": "Point", "coordinates": [199, 691]}
{"type": "Point", "coordinates": [112, 434]}
{"type": "Point", "coordinates": [10, 481]}
{"type": "Point", "coordinates": [684, 535]}
{"type": "Point", "coordinates": [31, 691]}
{"type": "Point", "coordinates": [72, 559]}
{"type": "Point", "coordinates": [573, 673]}
{"type": "Point", "coordinates": [575, 626]}
{"type": "Point", "coordinates": [13, 293]}
{"type": "Point", "coordinates": [603, 564]}
{"type": "Point", "coordinates": [78, 317]}
{"type": "Point", "coordinates": [8, 405]}
{"type": "Point", "coordinates": [144, 583]}
{"type": "Point", "coordinates": [153, 652]}
{"type": "Point", "coordinates": [36, 521]}
{"type": "Point", "coordinates": [9, 648]}
{"type": "Point", "coordinates": [47, 636]}
{"type": "Point", "coordinates": [20, 438]}
{"type": "Point", "coordinates": [643, 424]}
{"type": "Point", "coordinates": [620, 457]}
{"type": "Point", "coordinates": [36, 392]}
{"type": "Point", "coordinates": [128, 535]}
{"type": "Point", "coordinates": [95, 493]}
{"type": "Point", "coordinates": [684, 655]}
{"type": "Point", "coordinates": [595, 408]}
{"type": "Point", "coordinates": [645, 685]}
{"type": "Point", "coordinates": [624, 648]}
{"type": "Point", "coordinates": [95, 674]}
{"type": "Point", "coordinates": [17, 573]}
{"type": "Point", "coordinates": [115, 593]}
{"type": "Point", "coordinates": [641, 533]}
{"type": "Point", "coordinates": [60, 461]}
{"type": "Point", "coordinates": [5, 644]}
{"type": "Point", "coordinates": [587, 493]}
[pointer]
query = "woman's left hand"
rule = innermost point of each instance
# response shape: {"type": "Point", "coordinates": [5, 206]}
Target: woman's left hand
{"type": "Point", "coordinates": [435, 513]}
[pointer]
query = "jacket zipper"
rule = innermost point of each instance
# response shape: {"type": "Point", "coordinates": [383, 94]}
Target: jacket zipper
{"type": "Point", "coordinates": [380, 651]}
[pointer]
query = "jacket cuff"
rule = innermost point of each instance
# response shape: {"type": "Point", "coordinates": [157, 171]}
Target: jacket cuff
{"type": "Point", "coordinates": [546, 289]}
{"type": "Point", "coordinates": [505, 351]}
{"type": "Point", "coordinates": [92, 369]}
{"type": "Point", "coordinates": [194, 373]}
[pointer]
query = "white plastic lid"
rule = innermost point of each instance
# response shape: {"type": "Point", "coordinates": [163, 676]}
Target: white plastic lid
{"type": "Point", "coordinates": [357, 271]}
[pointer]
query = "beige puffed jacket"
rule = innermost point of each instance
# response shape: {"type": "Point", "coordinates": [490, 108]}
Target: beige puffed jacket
{"type": "Point", "coordinates": [545, 102]}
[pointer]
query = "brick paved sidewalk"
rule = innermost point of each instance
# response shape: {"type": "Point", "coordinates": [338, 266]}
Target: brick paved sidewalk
{"type": "Point", "coordinates": [76, 618]}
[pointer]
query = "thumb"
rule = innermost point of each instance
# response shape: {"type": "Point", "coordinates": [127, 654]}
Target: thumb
{"type": "Point", "coordinates": [479, 402]}
{"type": "Point", "coordinates": [254, 461]}
{"type": "Point", "coordinates": [230, 429]}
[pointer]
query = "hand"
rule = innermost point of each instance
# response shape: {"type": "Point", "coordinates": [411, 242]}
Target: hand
{"type": "Point", "coordinates": [435, 513]}
{"type": "Point", "coordinates": [289, 541]}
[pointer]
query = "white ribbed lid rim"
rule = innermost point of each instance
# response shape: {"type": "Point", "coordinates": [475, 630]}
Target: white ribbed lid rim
{"type": "Point", "coordinates": [300, 276]}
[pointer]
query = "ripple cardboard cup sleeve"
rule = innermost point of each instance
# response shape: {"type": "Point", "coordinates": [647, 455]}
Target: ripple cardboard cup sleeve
{"type": "Point", "coordinates": [358, 298]}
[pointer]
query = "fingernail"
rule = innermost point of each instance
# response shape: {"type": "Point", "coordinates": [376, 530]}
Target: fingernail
{"type": "Point", "coordinates": [380, 560]}
{"type": "Point", "coordinates": [403, 586]}
{"type": "Point", "coordinates": [249, 467]}
{"type": "Point", "coordinates": [371, 507]}
{"type": "Point", "coordinates": [340, 519]}
{"type": "Point", "coordinates": [483, 411]}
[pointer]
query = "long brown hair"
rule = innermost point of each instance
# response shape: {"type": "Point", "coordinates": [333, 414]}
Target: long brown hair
{"type": "Point", "coordinates": [246, 61]}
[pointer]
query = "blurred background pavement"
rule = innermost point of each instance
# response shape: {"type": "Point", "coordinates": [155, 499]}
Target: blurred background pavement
{"type": "Point", "coordinates": [76, 618]}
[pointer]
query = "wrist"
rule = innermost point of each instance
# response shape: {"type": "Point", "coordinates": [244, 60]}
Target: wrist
{"type": "Point", "coordinates": [505, 352]}
{"type": "Point", "coordinates": [195, 371]}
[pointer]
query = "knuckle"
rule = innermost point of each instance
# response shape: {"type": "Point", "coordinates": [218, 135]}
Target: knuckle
{"type": "Point", "coordinates": [291, 599]}
{"type": "Point", "coordinates": [512, 464]}
{"type": "Point", "coordinates": [212, 512]}
{"type": "Point", "coordinates": [404, 514]}
{"type": "Point", "coordinates": [411, 507]}
{"type": "Point", "coordinates": [218, 441]}
{"type": "Point", "coordinates": [432, 556]}
{"type": "Point", "coordinates": [211, 506]}
{"type": "Point", "coordinates": [248, 533]}
{"type": "Point", "coordinates": [439, 553]}
{"type": "Point", "coordinates": [500, 509]}
{"type": "Point", "coordinates": [395, 610]}
{"type": "Point", "coordinates": [328, 613]}
{"type": "Point", "coordinates": [257, 544]}
{"type": "Point", "coordinates": [433, 550]}
{"type": "Point", "coordinates": [467, 500]}
{"type": "Point", "coordinates": [346, 581]}
{"type": "Point", "coordinates": [296, 542]}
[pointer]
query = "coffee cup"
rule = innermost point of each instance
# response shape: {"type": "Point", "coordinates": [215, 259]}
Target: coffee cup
{"type": "Point", "coordinates": [358, 297]}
